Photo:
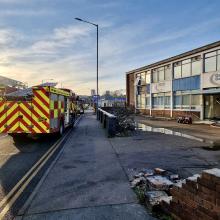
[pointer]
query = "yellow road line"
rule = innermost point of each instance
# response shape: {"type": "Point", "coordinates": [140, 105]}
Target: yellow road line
{"type": "Point", "coordinates": [5, 199]}
{"type": "Point", "coordinates": [18, 193]}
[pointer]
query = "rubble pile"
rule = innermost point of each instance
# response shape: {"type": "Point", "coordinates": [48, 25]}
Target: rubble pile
{"type": "Point", "coordinates": [152, 186]}
{"type": "Point", "coordinates": [198, 197]}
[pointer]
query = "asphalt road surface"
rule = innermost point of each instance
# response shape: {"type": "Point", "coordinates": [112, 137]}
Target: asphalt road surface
{"type": "Point", "coordinates": [17, 157]}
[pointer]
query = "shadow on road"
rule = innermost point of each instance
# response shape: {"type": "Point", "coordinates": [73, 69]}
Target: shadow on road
{"type": "Point", "coordinates": [27, 144]}
{"type": "Point", "coordinates": [17, 155]}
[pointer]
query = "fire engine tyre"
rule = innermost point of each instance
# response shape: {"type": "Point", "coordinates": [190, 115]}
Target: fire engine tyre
{"type": "Point", "coordinates": [61, 129]}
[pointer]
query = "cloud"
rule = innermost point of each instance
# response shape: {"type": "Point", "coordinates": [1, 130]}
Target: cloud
{"type": "Point", "coordinates": [60, 38]}
{"type": "Point", "coordinates": [8, 36]}
{"type": "Point", "coordinates": [25, 12]}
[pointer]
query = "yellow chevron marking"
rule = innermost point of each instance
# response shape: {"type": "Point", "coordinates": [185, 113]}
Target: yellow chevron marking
{"type": "Point", "coordinates": [24, 128]}
{"type": "Point", "coordinates": [14, 117]}
{"type": "Point", "coordinates": [41, 104]}
{"type": "Point", "coordinates": [34, 119]}
{"type": "Point", "coordinates": [46, 98]}
{"type": "Point", "coordinates": [36, 129]}
{"type": "Point", "coordinates": [39, 112]}
{"type": "Point", "coordinates": [2, 129]}
{"type": "Point", "coordinates": [2, 108]}
{"type": "Point", "coordinates": [14, 127]}
{"type": "Point", "coordinates": [27, 110]}
{"type": "Point", "coordinates": [9, 111]}
{"type": "Point", "coordinates": [39, 123]}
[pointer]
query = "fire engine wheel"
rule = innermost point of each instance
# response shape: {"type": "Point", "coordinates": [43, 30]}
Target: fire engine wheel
{"type": "Point", "coordinates": [61, 130]}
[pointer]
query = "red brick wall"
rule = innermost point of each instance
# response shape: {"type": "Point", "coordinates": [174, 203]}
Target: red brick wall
{"type": "Point", "coordinates": [130, 90]}
{"type": "Point", "coordinates": [166, 113]}
{"type": "Point", "coordinates": [197, 198]}
{"type": "Point", "coordinates": [161, 113]}
{"type": "Point", "coordinates": [194, 115]}
{"type": "Point", "coordinates": [145, 111]}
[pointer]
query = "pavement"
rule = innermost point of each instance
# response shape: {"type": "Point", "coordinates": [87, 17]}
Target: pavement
{"type": "Point", "coordinates": [203, 131]}
{"type": "Point", "coordinates": [88, 181]}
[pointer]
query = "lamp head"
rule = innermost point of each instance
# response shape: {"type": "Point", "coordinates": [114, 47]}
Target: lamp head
{"type": "Point", "coordinates": [79, 19]}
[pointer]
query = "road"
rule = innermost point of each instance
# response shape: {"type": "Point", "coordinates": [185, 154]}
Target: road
{"type": "Point", "coordinates": [17, 157]}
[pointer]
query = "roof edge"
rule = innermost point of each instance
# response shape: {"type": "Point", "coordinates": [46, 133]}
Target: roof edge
{"type": "Point", "coordinates": [182, 55]}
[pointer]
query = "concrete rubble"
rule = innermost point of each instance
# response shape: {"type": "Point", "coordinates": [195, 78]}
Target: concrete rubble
{"type": "Point", "coordinates": [153, 184]}
{"type": "Point", "coordinates": [155, 197]}
{"type": "Point", "coordinates": [159, 182]}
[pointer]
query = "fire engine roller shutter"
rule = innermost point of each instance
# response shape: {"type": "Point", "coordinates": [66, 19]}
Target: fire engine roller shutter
{"type": "Point", "coordinates": [56, 109]}
{"type": "Point", "coordinates": [53, 117]}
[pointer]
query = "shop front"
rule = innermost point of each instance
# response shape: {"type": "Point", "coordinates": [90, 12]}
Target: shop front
{"type": "Point", "coordinates": [211, 95]}
{"type": "Point", "coordinates": [212, 106]}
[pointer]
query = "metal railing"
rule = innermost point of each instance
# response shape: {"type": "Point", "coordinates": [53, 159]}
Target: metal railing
{"type": "Point", "coordinates": [108, 121]}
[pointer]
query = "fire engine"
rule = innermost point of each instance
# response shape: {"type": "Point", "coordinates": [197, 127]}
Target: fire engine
{"type": "Point", "coordinates": [38, 110]}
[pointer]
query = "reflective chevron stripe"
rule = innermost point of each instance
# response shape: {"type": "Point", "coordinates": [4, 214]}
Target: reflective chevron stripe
{"type": "Point", "coordinates": [24, 116]}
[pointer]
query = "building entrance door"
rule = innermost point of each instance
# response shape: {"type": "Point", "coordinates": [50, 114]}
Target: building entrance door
{"type": "Point", "coordinates": [212, 106]}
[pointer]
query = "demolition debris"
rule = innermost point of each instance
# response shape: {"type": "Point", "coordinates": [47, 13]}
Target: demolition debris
{"type": "Point", "coordinates": [164, 193]}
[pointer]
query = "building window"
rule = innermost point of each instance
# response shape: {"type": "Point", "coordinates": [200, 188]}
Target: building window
{"type": "Point", "coordinates": [138, 90]}
{"type": "Point", "coordinates": [177, 70]}
{"type": "Point", "coordinates": [148, 88]}
{"type": "Point", "coordinates": [160, 74]}
{"type": "Point", "coordinates": [147, 101]}
{"type": "Point", "coordinates": [185, 101]}
{"type": "Point", "coordinates": [138, 79]}
{"type": "Point", "coordinates": [195, 100]}
{"type": "Point", "coordinates": [138, 101]}
{"type": "Point", "coordinates": [196, 65]}
{"type": "Point", "coordinates": [143, 101]}
{"type": "Point", "coordinates": [142, 78]}
{"type": "Point", "coordinates": [186, 68]}
{"type": "Point", "coordinates": [154, 74]}
{"type": "Point", "coordinates": [211, 61]}
{"type": "Point", "coordinates": [167, 100]}
{"type": "Point", "coordinates": [142, 90]}
{"type": "Point", "coordinates": [148, 77]}
{"type": "Point", "coordinates": [218, 60]}
{"type": "Point", "coordinates": [160, 100]}
{"type": "Point", "coordinates": [177, 101]}
{"type": "Point", "coordinates": [167, 72]}
{"type": "Point", "coordinates": [154, 101]}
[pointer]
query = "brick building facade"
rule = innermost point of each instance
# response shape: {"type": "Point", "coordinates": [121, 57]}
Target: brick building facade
{"type": "Point", "coordinates": [186, 84]}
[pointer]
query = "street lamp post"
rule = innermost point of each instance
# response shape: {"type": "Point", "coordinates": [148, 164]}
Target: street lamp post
{"type": "Point", "coordinates": [97, 60]}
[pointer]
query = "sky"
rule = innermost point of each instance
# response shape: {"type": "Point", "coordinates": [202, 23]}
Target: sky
{"type": "Point", "coordinates": [41, 40]}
